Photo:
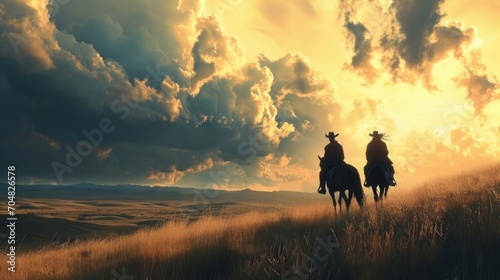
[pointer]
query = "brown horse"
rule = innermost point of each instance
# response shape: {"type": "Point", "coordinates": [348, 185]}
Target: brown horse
{"type": "Point", "coordinates": [341, 178]}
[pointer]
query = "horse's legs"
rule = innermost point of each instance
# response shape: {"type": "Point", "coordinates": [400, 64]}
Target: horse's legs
{"type": "Point", "coordinates": [347, 201]}
{"type": "Point", "coordinates": [332, 194]}
{"type": "Point", "coordinates": [340, 201]}
{"type": "Point", "coordinates": [375, 195]}
{"type": "Point", "coordinates": [382, 191]}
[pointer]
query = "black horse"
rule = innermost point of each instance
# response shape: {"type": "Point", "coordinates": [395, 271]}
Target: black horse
{"type": "Point", "coordinates": [341, 178]}
{"type": "Point", "coordinates": [378, 175]}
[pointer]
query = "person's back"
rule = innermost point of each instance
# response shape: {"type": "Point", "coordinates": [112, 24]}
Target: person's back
{"type": "Point", "coordinates": [334, 154]}
{"type": "Point", "coordinates": [376, 151]}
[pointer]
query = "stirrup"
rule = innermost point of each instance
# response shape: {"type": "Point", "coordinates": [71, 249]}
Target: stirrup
{"type": "Point", "coordinates": [322, 190]}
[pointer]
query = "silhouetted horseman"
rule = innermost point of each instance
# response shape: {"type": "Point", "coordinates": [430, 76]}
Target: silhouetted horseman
{"type": "Point", "coordinates": [334, 155]}
{"type": "Point", "coordinates": [376, 151]}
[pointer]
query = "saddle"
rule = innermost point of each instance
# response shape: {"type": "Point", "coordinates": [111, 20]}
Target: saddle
{"type": "Point", "coordinates": [388, 173]}
{"type": "Point", "coordinates": [335, 166]}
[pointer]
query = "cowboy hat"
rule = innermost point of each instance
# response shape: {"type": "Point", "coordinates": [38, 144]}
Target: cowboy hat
{"type": "Point", "coordinates": [376, 134]}
{"type": "Point", "coordinates": [331, 135]}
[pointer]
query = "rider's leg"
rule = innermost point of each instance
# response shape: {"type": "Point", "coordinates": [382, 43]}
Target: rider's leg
{"type": "Point", "coordinates": [321, 188]}
{"type": "Point", "coordinates": [365, 169]}
{"type": "Point", "coordinates": [375, 195]}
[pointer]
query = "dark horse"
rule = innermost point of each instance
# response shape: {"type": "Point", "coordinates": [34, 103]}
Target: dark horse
{"type": "Point", "coordinates": [341, 178]}
{"type": "Point", "coordinates": [377, 176]}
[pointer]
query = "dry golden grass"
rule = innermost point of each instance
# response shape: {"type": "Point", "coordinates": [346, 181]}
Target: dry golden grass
{"type": "Point", "coordinates": [445, 229]}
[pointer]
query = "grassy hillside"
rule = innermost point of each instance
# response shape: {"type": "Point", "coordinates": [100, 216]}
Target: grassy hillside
{"type": "Point", "coordinates": [37, 231]}
{"type": "Point", "coordinates": [445, 229]}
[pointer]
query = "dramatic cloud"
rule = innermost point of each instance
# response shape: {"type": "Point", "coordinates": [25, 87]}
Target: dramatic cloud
{"type": "Point", "coordinates": [412, 44]}
{"type": "Point", "coordinates": [149, 93]}
{"type": "Point", "coordinates": [417, 20]}
{"type": "Point", "coordinates": [213, 52]}
{"type": "Point", "coordinates": [361, 61]}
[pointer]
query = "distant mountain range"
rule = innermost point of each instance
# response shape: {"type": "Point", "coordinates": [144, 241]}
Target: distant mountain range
{"type": "Point", "coordinates": [88, 191]}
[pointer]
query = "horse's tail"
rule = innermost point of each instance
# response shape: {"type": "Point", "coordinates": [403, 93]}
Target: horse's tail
{"type": "Point", "coordinates": [357, 187]}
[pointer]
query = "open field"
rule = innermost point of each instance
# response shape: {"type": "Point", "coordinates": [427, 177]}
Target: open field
{"type": "Point", "coordinates": [68, 221]}
{"type": "Point", "coordinates": [445, 229]}
{"type": "Point", "coordinates": [51, 215]}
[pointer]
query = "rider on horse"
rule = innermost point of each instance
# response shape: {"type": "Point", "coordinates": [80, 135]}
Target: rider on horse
{"type": "Point", "coordinates": [377, 152]}
{"type": "Point", "coordinates": [334, 155]}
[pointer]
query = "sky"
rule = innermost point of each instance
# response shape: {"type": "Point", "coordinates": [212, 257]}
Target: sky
{"type": "Point", "coordinates": [236, 94]}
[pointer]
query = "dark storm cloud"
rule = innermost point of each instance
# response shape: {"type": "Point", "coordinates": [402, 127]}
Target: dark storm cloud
{"type": "Point", "coordinates": [130, 33]}
{"type": "Point", "coordinates": [407, 39]}
{"type": "Point", "coordinates": [362, 46]}
{"type": "Point", "coordinates": [361, 60]}
{"type": "Point", "coordinates": [122, 94]}
{"type": "Point", "coordinates": [84, 75]}
{"type": "Point", "coordinates": [416, 40]}
{"type": "Point", "coordinates": [417, 20]}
